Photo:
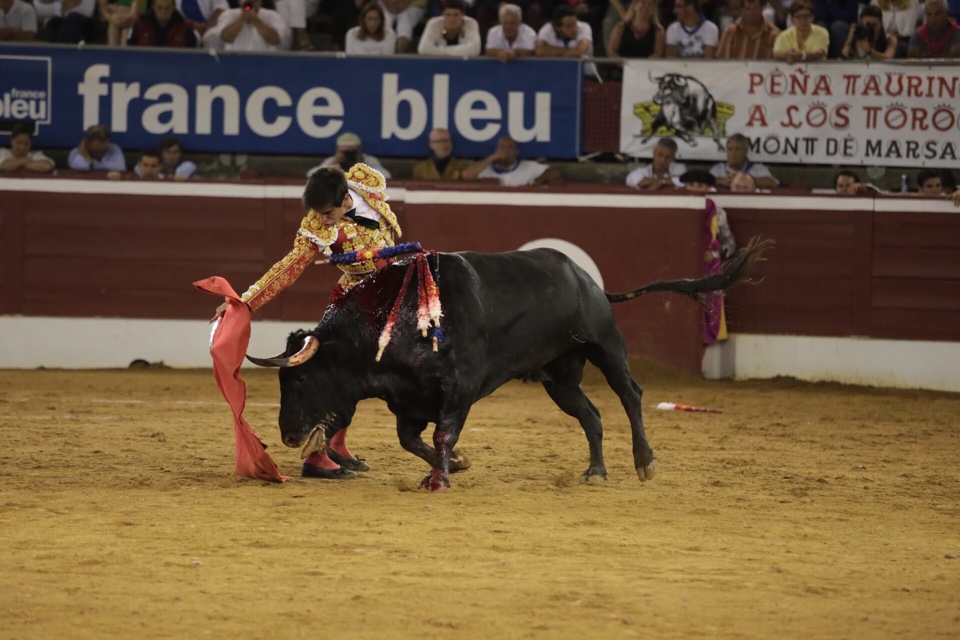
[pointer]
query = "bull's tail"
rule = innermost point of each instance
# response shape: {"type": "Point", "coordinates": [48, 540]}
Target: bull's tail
{"type": "Point", "coordinates": [733, 272]}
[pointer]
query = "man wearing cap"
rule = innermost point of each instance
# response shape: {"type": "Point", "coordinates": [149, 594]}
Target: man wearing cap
{"type": "Point", "coordinates": [344, 213]}
{"type": "Point", "coordinates": [349, 153]}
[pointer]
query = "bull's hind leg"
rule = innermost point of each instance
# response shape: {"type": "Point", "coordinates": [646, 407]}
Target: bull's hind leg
{"type": "Point", "coordinates": [566, 374]}
{"type": "Point", "coordinates": [611, 359]}
{"type": "Point", "coordinates": [409, 431]}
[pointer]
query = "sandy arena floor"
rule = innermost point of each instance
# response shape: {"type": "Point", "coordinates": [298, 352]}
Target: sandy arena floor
{"type": "Point", "coordinates": [804, 511]}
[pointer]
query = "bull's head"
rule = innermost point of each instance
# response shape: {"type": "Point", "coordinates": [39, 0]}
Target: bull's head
{"type": "Point", "coordinates": [317, 398]}
{"type": "Point", "coordinates": [671, 88]}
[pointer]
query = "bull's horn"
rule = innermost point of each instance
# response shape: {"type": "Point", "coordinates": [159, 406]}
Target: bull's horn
{"type": "Point", "coordinates": [309, 348]}
{"type": "Point", "coordinates": [652, 79]}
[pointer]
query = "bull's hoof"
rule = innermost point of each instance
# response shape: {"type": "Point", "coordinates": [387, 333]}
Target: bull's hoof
{"type": "Point", "coordinates": [594, 475]}
{"type": "Point", "coordinates": [435, 482]}
{"type": "Point", "coordinates": [648, 472]}
{"type": "Point", "coordinates": [313, 471]}
{"type": "Point", "coordinates": [350, 464]}
{"type": "Point", "coordinates": [458, 461]}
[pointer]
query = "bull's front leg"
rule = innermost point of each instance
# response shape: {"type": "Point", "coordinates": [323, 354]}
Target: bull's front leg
{"type": "Point", "coordinates": [445, 438]}
{"type": "Point", "coordinates": [409, 432]}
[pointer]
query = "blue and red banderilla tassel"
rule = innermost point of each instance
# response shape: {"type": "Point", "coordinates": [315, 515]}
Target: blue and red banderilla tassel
{"type": "Point", "coordinates": [429, 310]}
{"type": "Point", "coordinates": [384, 253]}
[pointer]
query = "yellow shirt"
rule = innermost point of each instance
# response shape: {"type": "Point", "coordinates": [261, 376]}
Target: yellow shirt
{"type": "Point", "coordinates": [818, 40]}
{"type": "Point", "coordinates": [427, 170]}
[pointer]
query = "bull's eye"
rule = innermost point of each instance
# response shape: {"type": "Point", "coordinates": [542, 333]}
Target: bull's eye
{"type": "Point", "coordinates": [298, 381]}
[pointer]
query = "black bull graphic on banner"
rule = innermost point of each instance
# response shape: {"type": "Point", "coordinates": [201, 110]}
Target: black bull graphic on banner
{"type": "Point", "coordinates": [686, 106]}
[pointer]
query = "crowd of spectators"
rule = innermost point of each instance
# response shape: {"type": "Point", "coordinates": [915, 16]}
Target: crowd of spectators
{"type": "Point", "coordinates": [799, 31]}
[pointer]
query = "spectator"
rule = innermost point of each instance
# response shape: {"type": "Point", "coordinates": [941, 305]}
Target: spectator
{"type": "Point", "coordinates": [900, 19]}
{"type": "Point", "coordinates": [350, 152]}
{"type": "Point", "coordinates": [249, 28]}
{"type": "Point", "coordinates": [663, 172]}
{"type": "Point", "coordinates": [956, 198]}
{"type": "Point", "coordinates": [372, 37]}
{"type": "Point", "coordinates": [488, 12]}
{"type": "Point", "coordinates": [66, 20]}
{"type": "Point", "coordinates": [18, 21]}
{"type": "Point", "coordinates": [96, 153]}
{"type": "Point", "coordinates": [639, 34]}
{"type": "Point", "coordinates": [163, 26]}
{"type": "Point", "coordinates": [868, 40]}
{"type": "Point", "coordinates": [294, 14]}
{"type": "Point", "coordinates": [119, 15]}
{"type": "Point", "coordinates": [505, 165]}
{"type": "Point", "coordinates": [938, 36]}
{"type": "Point", "coordinates": [738, 161]}
{"type": "Point", "coordinates": [692, 35]}
{"type": "Point", "coordinates": [441, 164]}
{"type": "Point", "coordinates": [171, 158]}
{"type": "Point", "coordinates": [566, 37]}
{"type": "Point", "coordinates": [148, 167]}
{"type": "Point", "coordinates": [804, 41]}
{"type": "Point", "coordinates": [203, 14]}
{"type": "Point", "coordinates": [743, 183]}
{"type": "Point", "coordinates": [751, 37]}
{"type": "Point", "coordinates": [451, 34]}
{"type": "Point", "coordinates": [20, 154]}
{"type": "Point", "coordinates": [403, 16]}
{"type": "Point", "coordinates": [930, 183]}
{"type": "Point", "coordinates": [848, 183]}
{"type": "Point", "coordinates": [511, 39]}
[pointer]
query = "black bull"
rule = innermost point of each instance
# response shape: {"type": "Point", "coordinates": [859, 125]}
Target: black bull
{"type": "Point", "coordinates": [533, 315]}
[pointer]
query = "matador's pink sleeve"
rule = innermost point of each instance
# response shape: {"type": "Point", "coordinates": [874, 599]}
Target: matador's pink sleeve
{"type": "Point", "coordinates": [282, 274]}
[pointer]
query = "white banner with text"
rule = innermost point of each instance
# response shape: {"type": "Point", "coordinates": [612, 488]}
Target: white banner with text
{"type": "Point", "coordinates": [869, 114]}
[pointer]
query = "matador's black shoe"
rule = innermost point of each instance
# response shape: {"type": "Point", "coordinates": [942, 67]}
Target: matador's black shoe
{"type": "Point", "coordinates": [350, 464]}
{"type": "Point", "coordinates": [313, 471]}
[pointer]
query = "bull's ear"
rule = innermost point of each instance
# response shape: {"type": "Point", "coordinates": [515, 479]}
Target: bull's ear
{"type": "Point", "coordinates": [309, 348]}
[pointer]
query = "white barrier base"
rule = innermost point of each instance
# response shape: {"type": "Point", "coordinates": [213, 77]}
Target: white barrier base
{"type": "Point", "coordinates": [905, 364]}
{"type": "Point", "coordinates": [109, 343]}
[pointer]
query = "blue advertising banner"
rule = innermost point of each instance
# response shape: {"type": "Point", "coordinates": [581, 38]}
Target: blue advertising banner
{"type": "Point", "coordinates": [289, 104]}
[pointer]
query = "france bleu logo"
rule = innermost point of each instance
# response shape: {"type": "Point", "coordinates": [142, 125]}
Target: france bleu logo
{"type": "Point", "coordinates": [25, 91]}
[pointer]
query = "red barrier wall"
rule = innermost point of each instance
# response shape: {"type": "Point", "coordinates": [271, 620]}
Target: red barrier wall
{"type": "Point", "coordinates": [884, 273]}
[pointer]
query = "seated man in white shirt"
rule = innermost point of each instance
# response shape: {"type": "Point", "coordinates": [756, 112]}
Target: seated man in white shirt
{"type": "Point", "coordinates": [505, 165]}
{"type": "Point", "coordinates": [737, 161]}
{"type": "Point", "coordinates": [566, 37]}
{"type": "Point", "coordinates": [350, 152]}
{"type": "Point", "coordinates": [451, 34]}
{"type": "Point", "coordinates": [18, 21]}
{"type": "Point", "coordinates": [249, 28]}
{"type": "Point", "coordinates": [663, 172]}
{"type": "Point", "coordinates": [511, 39]}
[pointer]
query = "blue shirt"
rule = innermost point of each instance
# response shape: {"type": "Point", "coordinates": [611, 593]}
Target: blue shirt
{"type": "Point", "coordinates": [112, 160]}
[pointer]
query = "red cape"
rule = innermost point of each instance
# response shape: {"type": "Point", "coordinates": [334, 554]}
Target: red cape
{"type": "Point", "coordinates": [228, 346]}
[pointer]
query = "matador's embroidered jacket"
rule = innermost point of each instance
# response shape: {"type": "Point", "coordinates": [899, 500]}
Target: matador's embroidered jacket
{"type": "Point", "coordinates": [370, 225]}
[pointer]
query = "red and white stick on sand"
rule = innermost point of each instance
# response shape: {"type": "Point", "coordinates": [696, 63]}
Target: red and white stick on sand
{"type": "Point", "coordinates": [676, 406]}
